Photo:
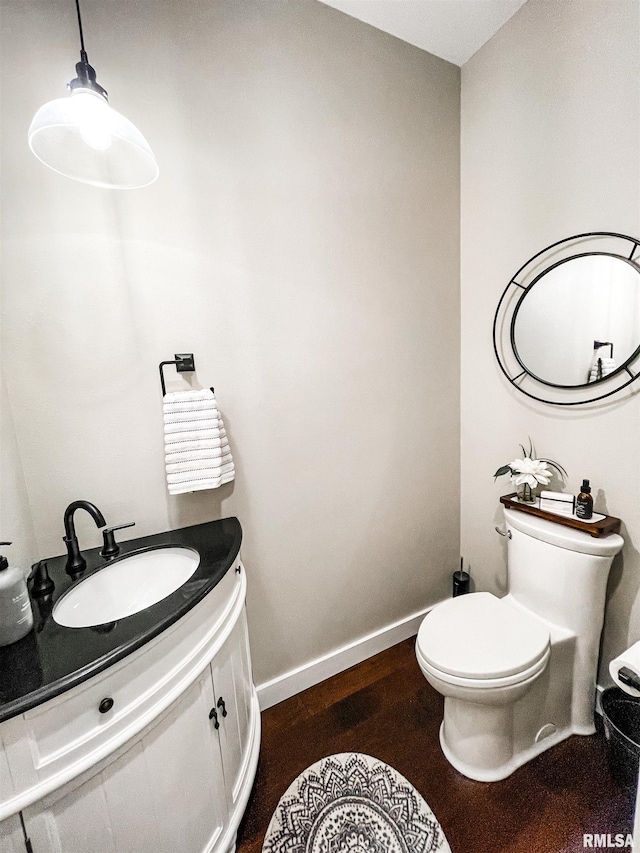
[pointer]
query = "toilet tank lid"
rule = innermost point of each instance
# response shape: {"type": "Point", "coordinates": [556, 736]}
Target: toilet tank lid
{"type": "Point", "coordinates": [564, 537]}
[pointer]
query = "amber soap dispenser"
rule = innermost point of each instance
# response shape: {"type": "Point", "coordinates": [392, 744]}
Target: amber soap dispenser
{"type": "Point", "coordinates": [584, 501]}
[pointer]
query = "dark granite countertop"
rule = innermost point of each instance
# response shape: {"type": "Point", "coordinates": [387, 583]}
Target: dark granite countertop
{"type": "Point", "coordinates": [52, 659]}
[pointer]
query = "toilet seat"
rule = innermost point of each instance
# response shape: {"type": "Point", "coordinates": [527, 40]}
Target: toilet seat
{"type": "Point", "coordinates": [517, 678]}
{"type": "Point", "coordinates": [483, 640]}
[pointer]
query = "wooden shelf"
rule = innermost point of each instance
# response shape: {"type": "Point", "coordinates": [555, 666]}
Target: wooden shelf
{"type": "Point", "coordinates": [603, 527]}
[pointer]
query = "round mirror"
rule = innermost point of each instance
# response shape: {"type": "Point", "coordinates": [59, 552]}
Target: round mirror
{"type": "Point", "coordinates": [579, 321]}
{"type": "Point", "coordinates": [567, 326]}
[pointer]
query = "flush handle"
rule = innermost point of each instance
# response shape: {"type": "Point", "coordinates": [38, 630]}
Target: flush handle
{"type": "Point", "coordinates": [504, 533]}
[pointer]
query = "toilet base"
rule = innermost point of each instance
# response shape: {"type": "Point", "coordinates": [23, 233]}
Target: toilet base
{"type": "Point", "coordinates": [503, 762]}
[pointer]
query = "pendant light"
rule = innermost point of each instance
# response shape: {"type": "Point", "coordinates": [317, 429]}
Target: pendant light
{"type": "Point", "coordinates": [82, 137]}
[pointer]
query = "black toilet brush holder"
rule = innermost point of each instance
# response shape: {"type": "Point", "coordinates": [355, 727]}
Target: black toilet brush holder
{"type": "Point", "coordinates": [461, 581]}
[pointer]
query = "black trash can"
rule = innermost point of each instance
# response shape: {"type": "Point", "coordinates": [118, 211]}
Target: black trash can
{"type": "Point", "coordinates": [621, 714]}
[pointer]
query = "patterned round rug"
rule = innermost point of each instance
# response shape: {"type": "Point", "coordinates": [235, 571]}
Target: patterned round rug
{"type": "Point", "coordinates": [353, 803]}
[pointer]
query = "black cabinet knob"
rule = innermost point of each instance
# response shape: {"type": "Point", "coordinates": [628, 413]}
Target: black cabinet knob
{"type": "Point", "coordinates": [106, 705]}
{"type": "Point", "coordinates": [213, 715]}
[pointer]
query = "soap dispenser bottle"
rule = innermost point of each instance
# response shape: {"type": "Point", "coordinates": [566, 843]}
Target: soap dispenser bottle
{"type": "Point", "coordinates": [16, 618]}
{"type": "Point", "coordinates": [584, 501]}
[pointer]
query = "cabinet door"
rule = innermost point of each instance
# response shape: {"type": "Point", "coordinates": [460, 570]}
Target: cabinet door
{"type": "Point", "coordinates": [12, 836]}
{"type": "Point", "coordinates": [164, 794]}
{"type": "Point", "coordinates": [232, 684]}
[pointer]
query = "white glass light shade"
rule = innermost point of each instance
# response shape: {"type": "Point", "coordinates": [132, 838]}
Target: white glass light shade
{"type": "Point", "coordinates": [82, 137]}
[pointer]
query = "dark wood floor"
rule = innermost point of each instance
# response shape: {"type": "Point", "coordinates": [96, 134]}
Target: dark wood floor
{"type": "Point", "coordinates": [384, 707]}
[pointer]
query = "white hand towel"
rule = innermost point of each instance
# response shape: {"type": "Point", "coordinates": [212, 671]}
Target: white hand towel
{"type": "Point", "coordinates": [180, 417]}
{"type": "Point", "coordinates": [191, 435]}
{"type": "Point", "coordinates": [188, 425]}
{"type": "Point", "coordinates": [189, 396]}
{"type": "Point", "coordinates": [192, 444]}
{"type": "Point", "coordinates": [220, 456]}
{"type": "Point", "coordinates": [181, 488]}
{"type": "Point", "coordinates": [188, 406]}
{"type": "Point", "coordinates": [601, 367]}
{"type": "Point", "coordinates": [202, 474]}
{"type": "Point", "coordinates": [197, 453]}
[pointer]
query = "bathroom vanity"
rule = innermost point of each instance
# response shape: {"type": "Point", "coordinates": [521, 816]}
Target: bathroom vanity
{"type": "Point", "coordinates": [137, 735]}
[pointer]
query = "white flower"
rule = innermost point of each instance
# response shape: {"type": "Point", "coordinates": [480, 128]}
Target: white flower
{"type": "Point", "coordinates": [531, 471]}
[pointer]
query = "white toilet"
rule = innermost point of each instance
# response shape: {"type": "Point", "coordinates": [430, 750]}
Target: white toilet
{"type": "Point", "coordinates": [519, 673]}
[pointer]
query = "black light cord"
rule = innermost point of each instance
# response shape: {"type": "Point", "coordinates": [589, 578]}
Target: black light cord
{"type": "Point", "coordinates": [83, 53]}
{"type": "Point", "coordinates": [86, 74]}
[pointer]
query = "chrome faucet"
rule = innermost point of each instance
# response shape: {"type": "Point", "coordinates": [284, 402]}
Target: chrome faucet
{"type": "Point", "coordinates": [76, 564]}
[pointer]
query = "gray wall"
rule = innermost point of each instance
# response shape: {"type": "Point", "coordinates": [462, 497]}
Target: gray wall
{"type": "Point", "coordinates": [302, 241]}
{"type": "Point", "coordinates": [550, 148]}
{"type": "Point", "coordinates": [16, 524]}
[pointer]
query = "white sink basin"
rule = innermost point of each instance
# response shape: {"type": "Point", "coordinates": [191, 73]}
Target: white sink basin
{"type": "Point", "coordinates": [125, 587]}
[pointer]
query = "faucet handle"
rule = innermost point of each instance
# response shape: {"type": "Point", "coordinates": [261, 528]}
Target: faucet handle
{"type": "Point", "coordinates": [110, 547]}
{"type": "Point", "coordinates": [41, 582]}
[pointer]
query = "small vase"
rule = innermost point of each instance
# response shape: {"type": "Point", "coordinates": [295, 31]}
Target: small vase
{"type": "Point", "coordinates": [525, 494]}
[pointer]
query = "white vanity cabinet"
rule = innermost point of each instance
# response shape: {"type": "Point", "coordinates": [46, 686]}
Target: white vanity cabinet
{"type": "Point", "coordinates": [231, 672]}
{"type": "Point", "coordinates": [12, 838]}
{"type": "Point", "coordinates": [168, 767]}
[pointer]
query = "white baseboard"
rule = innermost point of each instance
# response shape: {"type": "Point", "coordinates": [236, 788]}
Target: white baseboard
{"type": "Point", "coordinates": [296, 680]}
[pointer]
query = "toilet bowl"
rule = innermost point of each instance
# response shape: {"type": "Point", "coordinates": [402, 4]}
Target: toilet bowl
{"type": "Point", "coordinates": [518, 673]}
{"type": "Point", "coordinates": [481, 648]}
{"type": "Point", "coordinates": [483, 654]}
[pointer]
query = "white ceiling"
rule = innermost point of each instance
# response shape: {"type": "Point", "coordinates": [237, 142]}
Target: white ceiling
{"type": "Point", "coordinates": [451, 29]}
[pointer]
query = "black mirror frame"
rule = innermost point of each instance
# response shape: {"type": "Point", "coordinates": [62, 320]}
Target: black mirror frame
{"type": "Point", "coordinates": [509, 304]}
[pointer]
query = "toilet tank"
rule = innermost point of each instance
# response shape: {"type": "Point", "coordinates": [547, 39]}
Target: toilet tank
{"type": "Point", "coordinates": [558, 572]}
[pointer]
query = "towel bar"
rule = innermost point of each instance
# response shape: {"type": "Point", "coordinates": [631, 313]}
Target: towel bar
{"type": "Point", "coordinates": [184, 362]}
{"type": "Point", "coordinates": [598, 344]}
